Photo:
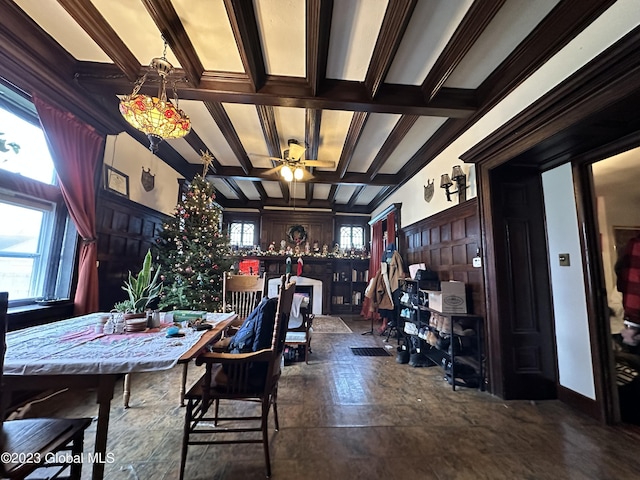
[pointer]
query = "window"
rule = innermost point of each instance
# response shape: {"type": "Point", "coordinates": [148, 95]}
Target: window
{"type": "Point", "coordinates": [242, 234]}
{"type": "Point", "coordinates": [37, 238]}
{"type": "Point", "coordinates": [351, 236]}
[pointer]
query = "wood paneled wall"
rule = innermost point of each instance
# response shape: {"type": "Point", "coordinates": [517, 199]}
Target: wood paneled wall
{"type": "Point", "coordinates": [125, 232]}
{"type": "Point", "coordinates": [446, 243]}
{"type": "Point", "coordinates": [323, 227]}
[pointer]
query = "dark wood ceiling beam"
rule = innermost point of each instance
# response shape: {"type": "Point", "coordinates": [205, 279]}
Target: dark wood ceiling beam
{"type": "Point", "coordinates": [473, 24]}
{"type": "Point", "coordinates": [231, 183]}
{"type": "Point", "coordinates": [394, 24]}
{"type": "Point", "coordinates": [331, 198]}
{"type": "Point", "coordinates": [168, 22]}
{"type": "Point", "coordinates": [267, 119]}
{"type": "Point", "coordinates": [354, 196]}
{"type": "Point", "coordinates": [223, 121]}
{"type": "Point", "coordinates": [261, 191]}
{"type": "Point", "coordinates": [95, 25]}
{"type": "Point", "coordinates": [292, 92]}
{"type": "Point", "coordinates": [391, 143]}
{"type": "Point", "coordinates": [379, 198]}
{"type": "Point", "coordinates": [245, 30]}
{"type": "Point", "coordinates": [319, 13]}
{"type": "Point", "coordinates": [313, 118]}
{"type": "Point", "coordinates": [358, 121]}
{"type": "Point", "coordinates": [259, 174]}
{"type": "Point", "coordinates": [282, 204]}
{"type": "Point", "coordinates": [556, 30]}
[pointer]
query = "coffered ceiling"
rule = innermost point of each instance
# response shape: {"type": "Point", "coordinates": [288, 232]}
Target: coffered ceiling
{"type": "Point", "coordinates": [379, 87]}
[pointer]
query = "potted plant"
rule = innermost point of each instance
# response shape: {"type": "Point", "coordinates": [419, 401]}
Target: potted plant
{"type": "Point", "coordinates": [142, 289]}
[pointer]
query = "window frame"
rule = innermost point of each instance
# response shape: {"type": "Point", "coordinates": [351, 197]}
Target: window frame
{"type": "Point", "coordinates": [242, 222]}
{"type": "Point", "coordinates": [351, 228]}
{"type": "Point", "coordinates": [58, 269]}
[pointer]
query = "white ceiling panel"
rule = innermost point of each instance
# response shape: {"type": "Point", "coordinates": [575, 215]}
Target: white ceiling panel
{"type": "Point", "coordinates": [209, 132]}
{"type": "Point", "coordinates": [58, 23]}
{"type": "Point", "coordinates": [208, 27]}
{"type": "Point", "coordinates": [419, 134]}
{"type": "Point", "coordinates": [135, 27]}
{"type": "Point", "coordinates": [367, 195]}
{"type": "Point", "coordinates": [510, 26]}
{"type": "Point", "coordinates": [333, 131]}
{"type": "Point", "coordinates": [247, 125]}
{"type": "Point", "coordinates": [343, 195]}
{"type": "Point", "coordinates": [249, 189]}
{"type": "Point", "coordinates": [297, 190]}
{"type": "Point", "coordinates": [222, 187]}
{"type": "Point", "coordinates": [290, 123]}
{"type": "Point", "coordinates": [181, 146]}
{"type": "Point", "coordinates": [376, 131]}
{"type": "Point", "coordinates": [351, 41]}
{"type": "Point", "coordinates": [272, 188]}
{"type": "Point", "coordinates": [430, 28]}
{"type": "Point", "coordinates": [321, 191]}
{"type": "Point", "coordinates": [281, 24]}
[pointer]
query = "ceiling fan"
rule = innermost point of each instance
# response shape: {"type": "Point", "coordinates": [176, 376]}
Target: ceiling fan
{"type": "Point", "coordinates": [293, 163]}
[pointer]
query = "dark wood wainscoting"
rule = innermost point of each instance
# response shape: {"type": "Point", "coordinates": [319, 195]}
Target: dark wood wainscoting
{"type": "Point", "coordinates": [446, 243]}
{"type": "Point", "coordinates": [125, 232]}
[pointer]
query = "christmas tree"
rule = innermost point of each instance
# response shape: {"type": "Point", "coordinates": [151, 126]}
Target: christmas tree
{"type": "Point", "coordinates": [193, 252]}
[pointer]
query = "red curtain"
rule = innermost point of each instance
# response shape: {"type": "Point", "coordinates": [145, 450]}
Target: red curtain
{"type": "Point", "coordinates": [377, 248]}
{"type": "Point", "coordinates": [76, 148]}
{"type": "Point", "coordinates": [391, 228]}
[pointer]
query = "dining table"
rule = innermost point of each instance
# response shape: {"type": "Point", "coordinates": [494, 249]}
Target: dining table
{"type": "Point", "coordinates": [74, 353]}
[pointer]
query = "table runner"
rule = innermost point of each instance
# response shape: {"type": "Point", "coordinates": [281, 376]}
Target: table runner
{"type": "Point", "coordinates": [70, 347]}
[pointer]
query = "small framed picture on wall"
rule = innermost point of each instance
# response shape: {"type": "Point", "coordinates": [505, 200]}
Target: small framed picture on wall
{"type": "Point", "coordinates": [116, 181]}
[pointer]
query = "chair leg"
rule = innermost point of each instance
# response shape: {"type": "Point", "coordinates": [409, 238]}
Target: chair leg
{"type": "Point", "coordinates": [185, 437]}
{"type": "Point", "coordinates": [265, 434]}
{"type": "Point", "coordinates": [216, 408]}
{"type": "Point", "coordinates": [75, 472]}
{"type": "Point", "coordinates": [273, 400]}
{"type": "Point", "coordinates": [307, 349]}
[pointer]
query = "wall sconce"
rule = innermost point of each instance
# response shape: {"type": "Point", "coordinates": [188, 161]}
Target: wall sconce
{"type": "Point", "coordinates": [458, 176]}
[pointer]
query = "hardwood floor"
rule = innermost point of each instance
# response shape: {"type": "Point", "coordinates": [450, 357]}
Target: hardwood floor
{"type": "Point", "coordinates": [349, 417]}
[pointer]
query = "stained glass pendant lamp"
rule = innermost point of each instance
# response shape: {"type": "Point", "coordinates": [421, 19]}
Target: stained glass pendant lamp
{"type": "Point", "coordinates": [157, 116]}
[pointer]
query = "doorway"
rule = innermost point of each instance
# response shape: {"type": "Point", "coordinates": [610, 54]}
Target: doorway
{"type": "Point", "coordinates": [617, 192]}
{"type": "Point", "coordinates": [526, 331]}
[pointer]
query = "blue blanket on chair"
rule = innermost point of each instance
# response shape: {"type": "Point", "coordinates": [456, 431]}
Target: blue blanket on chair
{"type": "Point", "coordinates": [256, 331]}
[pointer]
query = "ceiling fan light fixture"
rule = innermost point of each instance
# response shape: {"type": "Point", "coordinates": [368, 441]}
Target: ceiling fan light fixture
{"type": "Point", "coordinates": [157, 117]}
{"type": "Point", "coordinates": [287, 173]}
{"type": "Point", "coordinates": [298, 173]}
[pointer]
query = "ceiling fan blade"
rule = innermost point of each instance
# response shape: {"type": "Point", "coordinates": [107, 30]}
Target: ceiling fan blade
{"type": "Point", "coordinates": [271, 171]}
{"type": "Point", "coordinates": [320, 163]}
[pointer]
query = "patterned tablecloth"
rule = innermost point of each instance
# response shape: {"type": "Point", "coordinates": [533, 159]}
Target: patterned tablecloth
{"type": "Point", "coordinates": [71, 347]}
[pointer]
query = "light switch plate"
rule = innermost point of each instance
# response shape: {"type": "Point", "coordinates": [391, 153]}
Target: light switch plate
{"type": "Point", "coordinates": [477, 262]}
{"type": "Point", "coordinates": [564, 259]}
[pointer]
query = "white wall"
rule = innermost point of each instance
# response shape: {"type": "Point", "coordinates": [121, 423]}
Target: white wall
{"type": "Point", "coordinates": [618, 20]}
{"type": "Point", "coordinates": [575, 367]}
{"type": "Point", "coordinates": [125, 154]}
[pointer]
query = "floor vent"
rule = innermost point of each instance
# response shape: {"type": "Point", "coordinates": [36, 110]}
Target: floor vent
{"type": "Point", "coordinates": [369, 351]}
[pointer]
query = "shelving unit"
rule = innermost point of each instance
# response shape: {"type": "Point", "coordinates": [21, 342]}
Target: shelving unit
{"type": "Point", "coordinates": [350, 278]}
{"type": "Point", "coordinates": [453, 341]}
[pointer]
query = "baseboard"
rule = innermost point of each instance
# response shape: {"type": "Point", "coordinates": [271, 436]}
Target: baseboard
{"type": "Point", "coordinates": [581, 403]}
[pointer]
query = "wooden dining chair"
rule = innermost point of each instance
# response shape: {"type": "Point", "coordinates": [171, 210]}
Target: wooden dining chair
{"type": "Point", "coordinates": [242, 293]}
{"type": "Point", "coordinates": [244, 377]}
{"type": "Point", "coordinates": [31, 444]}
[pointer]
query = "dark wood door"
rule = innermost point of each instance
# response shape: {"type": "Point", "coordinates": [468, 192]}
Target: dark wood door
{"type": "Point", "coordinates": [524, 294]}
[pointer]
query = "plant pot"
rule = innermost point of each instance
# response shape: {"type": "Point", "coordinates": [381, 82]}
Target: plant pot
{"type": "Point", "coordinates": [130, 316]}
